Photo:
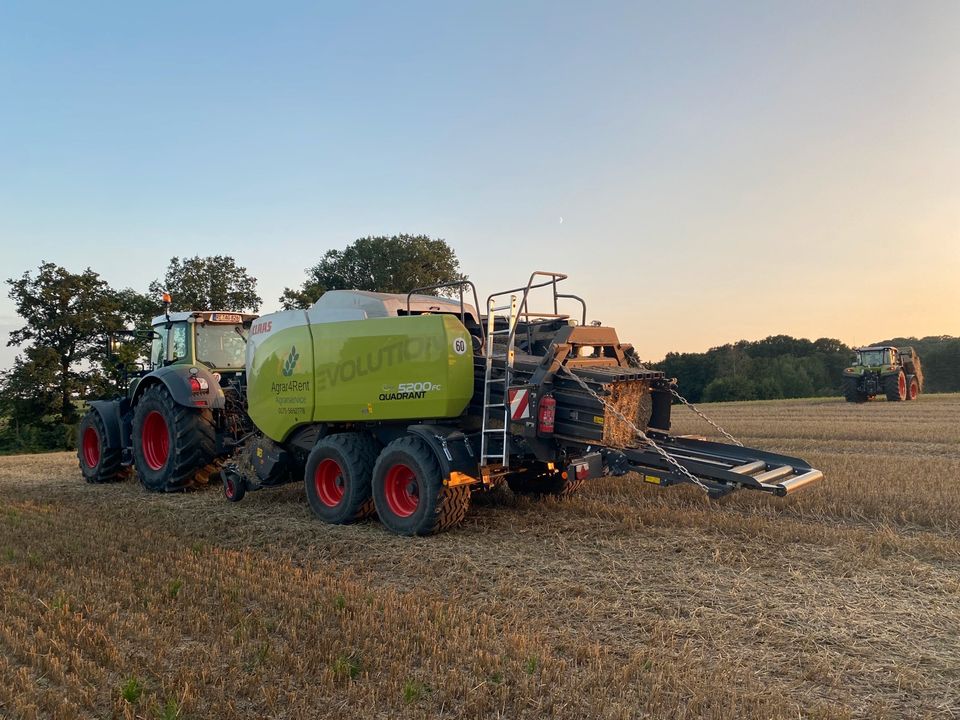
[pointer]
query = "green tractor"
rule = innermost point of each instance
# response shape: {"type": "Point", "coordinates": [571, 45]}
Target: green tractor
{"type": "Point", "coordinates": [183, 409]}
{"type": "Point", "coordinates": [894, 372]}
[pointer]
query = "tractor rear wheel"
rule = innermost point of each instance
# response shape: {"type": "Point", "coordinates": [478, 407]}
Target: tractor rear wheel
{"type": "Point", "coordinates": [173, 445]}
{"type": "Point", "coordinates": [98, 463]}
{"type": "Point", "coordinates": [541, 481]}
{"type": "Point", "coordinates": [895, 386]}
{"type": "Point", "coordinates": [409, 493]}
{"type": "Point", "coordinates": [913, 388]}
{"type": "Point", "coordinates": [851, 391]}
{"type": "Point", "coordinates": [337, 478]}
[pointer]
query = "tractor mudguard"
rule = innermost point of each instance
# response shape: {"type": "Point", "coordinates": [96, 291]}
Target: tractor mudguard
{"type": "Point", "coordinates": [112, 413]}
{"type": "Point", "coordinates": [451, 447]}
{"type": "Point", "coordinates": [176, 378]}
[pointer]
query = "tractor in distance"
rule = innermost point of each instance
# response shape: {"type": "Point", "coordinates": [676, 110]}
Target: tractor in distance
{"type": "Point", "coordinates": [894, 372]}
{"type": "Point", "coordinates": [182, 410]}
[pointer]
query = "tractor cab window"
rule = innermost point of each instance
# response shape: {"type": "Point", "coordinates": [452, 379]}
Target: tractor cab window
{"type": "Point", "coordinates": [872, 358]}
{"type": "Point", "coordinates": [891, 357]}
{"type": "Point", "coordinates": [158, 346]}
{"type": "Point", "coordinates": [221, 346]}
{"type": "Point", "coordinates": [173, 337]}
{"type": "Point", "coordinates": [178, 341]}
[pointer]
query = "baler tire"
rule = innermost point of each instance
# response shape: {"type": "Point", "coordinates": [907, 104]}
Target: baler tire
{"type": "Point", "coordinates": [98, 463]}
{"type": "Point", "coordinates": [895, 386]}
{"type": "Point", "coordinates": [370, 449]}
{"type": "Point", "coordinates": [234, 488]}
{"type": "Point", "coordinates": [913, 388]}
{"type": "Point", "coordinates": [406, 465]}
{"type": "Point", "coordinates": [851, 392]}
{"type": "Point", "coordinates": [337, 478]}
{"type": "Point", "coordinates": [190, 446]}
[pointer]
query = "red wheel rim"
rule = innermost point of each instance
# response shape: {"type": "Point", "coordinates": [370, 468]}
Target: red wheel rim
{"type": "Point", "coordinates": [155, 440]}
{"type": "Point", "coordinates": [329, 482]}
{"type": "Point", "coordinates": [913, 390]}
{"type": "Point", "coordinates": [229, 488]}
{"type": "Point", "coordinates": [402, 490]}
{"type": "Point", "coordinates": [902, 385]}
{"type": "Point", "coordinates": [91, 447]}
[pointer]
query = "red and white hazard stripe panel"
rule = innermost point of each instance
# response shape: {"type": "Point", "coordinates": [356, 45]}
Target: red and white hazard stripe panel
{"type": "Point", "coordinates": [519, 403]}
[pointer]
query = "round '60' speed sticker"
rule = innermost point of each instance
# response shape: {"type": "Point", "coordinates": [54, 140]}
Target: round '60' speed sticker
{"type": "Point", "coordinates": [459, 346]}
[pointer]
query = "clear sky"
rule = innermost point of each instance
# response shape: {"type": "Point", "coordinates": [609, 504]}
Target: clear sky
{"type": "Point", "coordinates": [722, 170]}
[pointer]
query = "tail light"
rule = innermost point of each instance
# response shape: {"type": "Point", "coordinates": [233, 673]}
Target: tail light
{"type": "Point", "coordinates": [198, 385]}
{"type": "Point", "coordinates": [546, 414]}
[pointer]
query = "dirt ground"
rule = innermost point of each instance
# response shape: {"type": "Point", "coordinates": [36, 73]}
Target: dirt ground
{"type": "Point", "coordinates": [625, 601]}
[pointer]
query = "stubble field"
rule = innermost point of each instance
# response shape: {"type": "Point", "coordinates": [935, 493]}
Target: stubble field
{"type": "Point", "coordinates": [625, 601]}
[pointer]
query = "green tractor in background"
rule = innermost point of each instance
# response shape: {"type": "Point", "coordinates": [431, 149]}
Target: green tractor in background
{"type": "Point", "coordinates": [894, 372]}
{"type": "Point", "coordinates": [183, 409]}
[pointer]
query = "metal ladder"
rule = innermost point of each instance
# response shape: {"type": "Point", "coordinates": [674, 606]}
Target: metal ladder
{"type": "Point", "coordinates": [497, 410]}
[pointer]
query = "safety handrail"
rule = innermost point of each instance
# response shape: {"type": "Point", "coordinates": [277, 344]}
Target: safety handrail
{"type": "Point", "coordinates": [554, 278]}
{"type": "Point", "coordinates": [524, 310]}
{"type": "Point", "coordinates": [583, 304]}
{"type": "Point", "coordinates": [463, 310]}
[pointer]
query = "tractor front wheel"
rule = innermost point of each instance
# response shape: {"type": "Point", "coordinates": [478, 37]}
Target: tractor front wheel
{"type": "Point", "coordinates": [98, 463]}
{"type": "Point", "coordinates": [895, 386]}
{"type": "Point", "coordinates": [337, 478]}
{"type": "Point", "coordinates": [173, 445]}
{"type": "Point", "coordinates": [852, 392]}
{"type": "Point", "coordinates": [409, 493]}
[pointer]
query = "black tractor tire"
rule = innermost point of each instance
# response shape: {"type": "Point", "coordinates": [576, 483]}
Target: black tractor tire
{"type": "Point", "coordinates": [913, 388]}
{"type": "Point", "coordinates": [409, 493]}
{"type": "Point", "coordinates": [895, 386]}
{"type": "Point", "coordinates": [543, 482]}
{"type": "Point", "coordinates": [174, 447]}
{"type": "Point", "coordinates": [851, 393]}
{"type": "Point", "coordinates": [98, 463]}
{"type": "Point", "coordinates": [337, 478]}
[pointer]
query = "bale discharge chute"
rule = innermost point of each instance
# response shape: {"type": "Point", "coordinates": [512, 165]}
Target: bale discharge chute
{"type": "Point", "coordinates": [405, 405]}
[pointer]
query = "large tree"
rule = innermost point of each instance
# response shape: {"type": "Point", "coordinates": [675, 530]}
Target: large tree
{"type": "Point", "coordinates": [208, 283]}
{"type": "Point", "coordinates": [66, 316]}
{"type": "Point", "coordinates": [382, 264]}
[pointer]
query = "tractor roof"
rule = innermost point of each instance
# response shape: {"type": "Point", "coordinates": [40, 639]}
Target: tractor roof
{"type": "Point", "coordinates": [376, 304]}
{"type": "Point", "coordinates": [211, 316]}
{"type": "Point", "coordinates": [877, 347]}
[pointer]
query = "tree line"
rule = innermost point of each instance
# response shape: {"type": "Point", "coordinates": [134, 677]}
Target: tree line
{"type": "Point", "coordinates": [63, 358]}
{"type": "Point", "coordinates": [786, 367]}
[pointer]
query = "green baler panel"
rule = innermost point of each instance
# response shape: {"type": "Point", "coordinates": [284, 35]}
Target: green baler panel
{"type": "Point", "coordinates": [399, 368]}
{"type": "Point", "coordinates": [280, 381]}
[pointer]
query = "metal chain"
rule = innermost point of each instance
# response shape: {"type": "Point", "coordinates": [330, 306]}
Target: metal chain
{"type": "Point", "coordinates": [640, 433]}
{"type": "Point", "coordinates": [637, 364]}
{"type": "Point", "coordinates": [693, 407]}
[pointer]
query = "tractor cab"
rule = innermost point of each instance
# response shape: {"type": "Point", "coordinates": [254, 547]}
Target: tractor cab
{"type": "Point", "coordinates": [875, 357]}
{"type": "Point", "coordinates": [214, 339]}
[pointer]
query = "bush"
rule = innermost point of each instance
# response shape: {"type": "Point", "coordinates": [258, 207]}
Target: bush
{"type": "Point", "coordinates": [16, 438]}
